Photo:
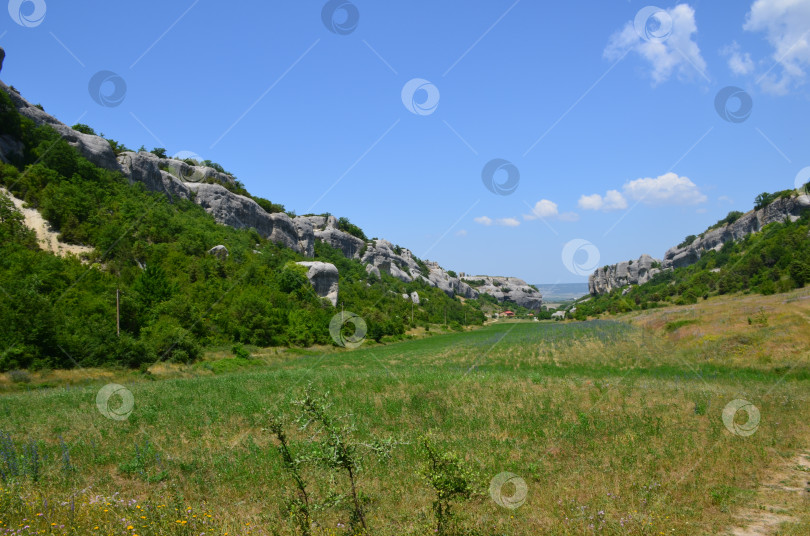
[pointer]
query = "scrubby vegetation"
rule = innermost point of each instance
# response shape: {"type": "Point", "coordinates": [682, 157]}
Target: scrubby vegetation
{"type": "Point", "coordinates": [175, 299]}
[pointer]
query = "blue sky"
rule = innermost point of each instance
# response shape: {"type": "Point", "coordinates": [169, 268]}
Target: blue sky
{"type": "Point", "coordinates": [610, 122]}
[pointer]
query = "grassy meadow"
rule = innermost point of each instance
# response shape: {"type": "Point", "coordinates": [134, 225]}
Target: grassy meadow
{"type": "Point", "coordinates": [614, 425]}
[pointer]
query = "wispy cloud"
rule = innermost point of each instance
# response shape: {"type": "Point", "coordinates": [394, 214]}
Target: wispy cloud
{"type": "Point", "coordinates": [786, 25]}
{"type": "Point", "coordinates": [739, 62]}
{"type": "Point", "coordinates": [677, 54]}
{"type": "Point", "coordinates": [503, 222]}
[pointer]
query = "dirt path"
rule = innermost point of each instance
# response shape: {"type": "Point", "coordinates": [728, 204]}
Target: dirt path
{"type": "Point", "coordinates": [47, 238]}
{"type": "Point", "coordinates": [780, 498]}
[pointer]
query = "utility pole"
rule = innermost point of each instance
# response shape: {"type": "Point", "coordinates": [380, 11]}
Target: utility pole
{"type": "Point", "coordinates": [117, 312]}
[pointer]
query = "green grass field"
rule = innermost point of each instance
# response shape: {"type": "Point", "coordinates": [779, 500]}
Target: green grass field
{"type": "Point", "coordinates": [615, 427]}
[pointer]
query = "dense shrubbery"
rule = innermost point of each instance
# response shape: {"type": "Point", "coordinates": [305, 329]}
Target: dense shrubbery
{"type": "Point", "coordinates": [776, 259]}
{"type": "Point", "coordinates": [174, 298]}
{"type": "Point", "coordinates": [348, 227]}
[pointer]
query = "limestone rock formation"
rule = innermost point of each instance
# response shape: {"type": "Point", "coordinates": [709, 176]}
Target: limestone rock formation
{"type": "Point", "coordinates": [324, 279]}
{"type": "Point", "coordinates": [618, 275]}
{"type": "Point", "coordinates": [506, 288]}
{"type": "Point", "coordinates": [326, 230]}
{"type": "Point", "coordinates": [96, 149]}
{"type": "Point", "coordinates": [144, 167]}
{"type": "Point", "coordinates": [750, 222]}
{"type": "Point", "coordinates": [242, 212]}
{"type": "Point", "coordinates": [637, 272]}
{"type": "Point", "coordinates": [399, 263]}
{"type": "Point", "coordinates": [452, 286]}
{"type": "Point", "coordinates": [185, 172]}
{"type": "Point", "coordinates": [178, 179]}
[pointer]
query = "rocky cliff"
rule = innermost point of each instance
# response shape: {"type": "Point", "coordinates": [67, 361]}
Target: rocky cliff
{"type": "Point", "coordinates": [637, 272]}
{"type": "Point", "coordinates": [750, 222]}
{"type": "Point", "coordinates": [207, 187]}
{"type": "Point", "coordinates": [506, 289]}
{"type": "Point", "coordinates": [605, 279]}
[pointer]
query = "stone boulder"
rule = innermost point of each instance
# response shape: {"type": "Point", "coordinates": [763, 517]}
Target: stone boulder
{"type": "Point", "coordinates": [324, 279]}
{"type": "Point", "coordinates": [219, 252]}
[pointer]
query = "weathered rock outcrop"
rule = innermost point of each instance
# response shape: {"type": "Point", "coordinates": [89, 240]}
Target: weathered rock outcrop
{"type": "Point", "coordinates": [637, 272]}
{"type": "Point", "coordinates": [452, 286]}
{"type": "Point", "coordinates": [618, 275]}
{"type": "Point", "coordinates": [398, 262]}
{"type": "Point", "coordinates": [324, 279]}
{"type": "Point", "coordinates": [507, 289]}
{"type": "Point", "coordinates": [242, 212]}
{"type": "Point", "coordinates": [750, 222]}
{"type": "Point", "coordinates": [326, 230]}
{"type": "Point", "coordinates": [145, 168]}
{"type": "Point", "coordinates": [185, 172]}
{"type": "Point", "coordinates": [94, 148]}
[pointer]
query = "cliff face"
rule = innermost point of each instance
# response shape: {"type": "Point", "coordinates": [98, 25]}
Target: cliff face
{"type": "Point", "coordinates": [637, 272]}
{"type": "Point", "coordinates": [605, 279]}
{"type": "Point", "coordinates": [179, 180]}
{"type": "Point", "coordinates": [506, 288]}
{"type": "Point", "coordinates": [750, 222]}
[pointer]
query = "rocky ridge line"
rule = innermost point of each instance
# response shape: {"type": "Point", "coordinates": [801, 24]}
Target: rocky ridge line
{"type": "Point", "coordinates": [610, 277]}
{"type": "Point", "coordinates": [204, 186]}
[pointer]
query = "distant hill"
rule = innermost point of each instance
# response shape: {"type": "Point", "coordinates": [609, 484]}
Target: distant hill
{"type": "Point", "coordinates": [562, 291]}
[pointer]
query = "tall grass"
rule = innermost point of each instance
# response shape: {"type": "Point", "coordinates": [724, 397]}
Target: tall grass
{"type": "Point", "coordinates": [615, 429]}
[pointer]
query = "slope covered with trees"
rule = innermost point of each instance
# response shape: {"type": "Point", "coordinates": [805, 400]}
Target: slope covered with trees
{"type": "Point", "coordinates": [175, 299]}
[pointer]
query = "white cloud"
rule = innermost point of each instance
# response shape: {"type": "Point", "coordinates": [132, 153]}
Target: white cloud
{"type": "Point", "coordinates": [739, 62]}
{"type": "Point", "coordinates": [613, 200]}
{"type": "Point", "coordinates": [507, 222]}
{"type": "Point", "coordinates": [786, 24]}
{"type": "Point", "coordinates": [545, 210]}
{"type": "Point", "coordinates": [668, 189]}
{"type": "Point", "coordinates": [461, 232]}
{"type": "Point", "coordinates": [726, 199]}
{"type": "Point", "coordinates": [504, 222]}
{"type": "Point", "coordinates": [678, 53]}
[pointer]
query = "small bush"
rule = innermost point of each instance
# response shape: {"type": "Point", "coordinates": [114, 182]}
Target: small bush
{"type": "Point", "coordinates": [19, 376]}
